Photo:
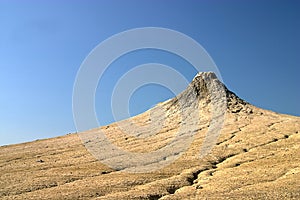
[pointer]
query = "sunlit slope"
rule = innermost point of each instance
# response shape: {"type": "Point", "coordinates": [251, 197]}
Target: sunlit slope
{"type": "Point", "coordinates": [256, 155]}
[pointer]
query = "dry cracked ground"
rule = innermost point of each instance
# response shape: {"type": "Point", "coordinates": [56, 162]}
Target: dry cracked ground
{"type": "Point", "coordinates": [256, 155]}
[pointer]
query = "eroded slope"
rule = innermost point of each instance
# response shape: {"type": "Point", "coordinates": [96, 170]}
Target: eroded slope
{"type": "Point", "coordinates": [256, 156]}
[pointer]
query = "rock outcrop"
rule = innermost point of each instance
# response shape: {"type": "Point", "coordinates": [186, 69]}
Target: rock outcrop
{"type": "Point", "coordinates": [231, 150]}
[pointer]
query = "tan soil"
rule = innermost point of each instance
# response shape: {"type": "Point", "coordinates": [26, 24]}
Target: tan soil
{"type": "Point", "coordinates": [257, 156]}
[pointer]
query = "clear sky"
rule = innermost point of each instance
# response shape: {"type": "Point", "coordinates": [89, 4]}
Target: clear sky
{"type": "Point", "coordinates": [255, 45]}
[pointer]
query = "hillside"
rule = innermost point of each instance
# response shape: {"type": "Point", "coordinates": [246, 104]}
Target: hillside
{"type": "Point", "coordinates": [255, 156]}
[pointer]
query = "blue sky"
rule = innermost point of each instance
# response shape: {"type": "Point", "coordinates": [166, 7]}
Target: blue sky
{"type": "Point", "coordinates": [255, 45]}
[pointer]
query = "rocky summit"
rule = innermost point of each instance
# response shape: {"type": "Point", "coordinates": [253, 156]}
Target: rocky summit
{"type": "Point", "coordinates": [206, 143]}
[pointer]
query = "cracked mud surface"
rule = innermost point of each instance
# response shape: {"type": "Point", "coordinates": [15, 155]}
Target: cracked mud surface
{"type": "Point", "coordinates": [257, 156]}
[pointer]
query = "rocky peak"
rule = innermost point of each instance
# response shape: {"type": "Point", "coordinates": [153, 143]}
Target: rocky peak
{"type": "Point", "coordinates": [202, 81]}
{"type": "Point", "coordinates": [205, 85]}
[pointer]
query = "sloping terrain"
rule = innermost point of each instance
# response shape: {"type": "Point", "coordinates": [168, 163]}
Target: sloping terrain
{"type": "Point", "coordinates": [256, 156]}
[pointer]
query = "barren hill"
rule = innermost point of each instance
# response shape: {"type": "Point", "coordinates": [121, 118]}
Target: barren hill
{"type": "Point", "coordinates": [235, 151]}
